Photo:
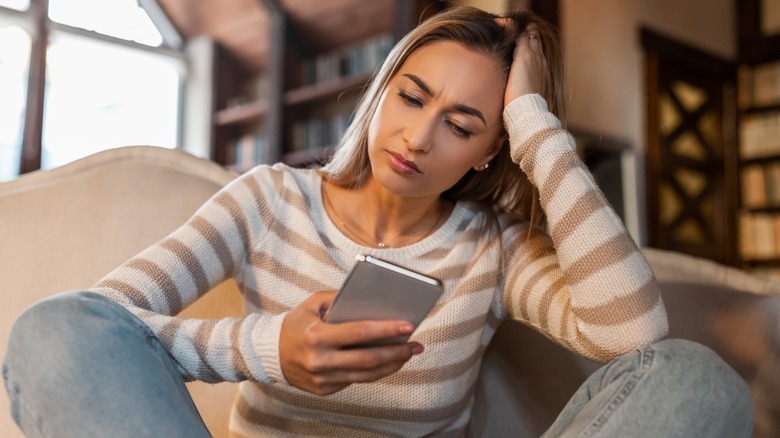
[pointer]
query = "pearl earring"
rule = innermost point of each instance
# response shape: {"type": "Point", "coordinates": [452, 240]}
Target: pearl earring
{"type": "Point", "coordinates": [482, 167]}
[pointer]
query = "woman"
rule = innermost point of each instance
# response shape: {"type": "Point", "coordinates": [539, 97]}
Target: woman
{"type": "Point", "coordinates": [439, 172]}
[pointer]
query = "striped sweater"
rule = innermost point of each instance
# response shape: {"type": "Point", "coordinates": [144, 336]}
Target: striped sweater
{"type": "Point", "coordinates": [585, 285]}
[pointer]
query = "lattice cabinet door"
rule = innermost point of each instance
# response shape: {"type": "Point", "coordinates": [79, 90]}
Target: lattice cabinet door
{"type": "Point", "coordinates": [691, 155]}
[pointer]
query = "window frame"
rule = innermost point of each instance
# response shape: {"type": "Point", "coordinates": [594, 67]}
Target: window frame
{"type": "Point", "coordinates": [36, 21]}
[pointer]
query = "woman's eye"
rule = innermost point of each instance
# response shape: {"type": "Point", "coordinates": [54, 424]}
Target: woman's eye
{"type": "Point", "coordinates": [410, 100]}
{"type": "Point", "coordinates": [459, 130]}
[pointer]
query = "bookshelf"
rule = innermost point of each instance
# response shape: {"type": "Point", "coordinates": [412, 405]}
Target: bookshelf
{"type": "Point", "coordinates": [325, 90]}
{"type": "Point", "coordinates": [295, 110]}
{"type": "Point", "coordinates": [758, 117]}
{"type": "Point", "coordinates": [759, 166]}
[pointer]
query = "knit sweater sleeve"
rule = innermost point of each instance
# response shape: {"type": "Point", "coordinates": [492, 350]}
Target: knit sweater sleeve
{"type": "Point", "coordinates": [585, 284]}
{"type": "Point", "coordinates": [209, 248]}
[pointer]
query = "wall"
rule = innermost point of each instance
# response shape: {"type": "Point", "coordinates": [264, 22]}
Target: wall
{"type": "Point", "coordinates": [605, 69]}
{"type": "Point", "coordinates": [197, 101]}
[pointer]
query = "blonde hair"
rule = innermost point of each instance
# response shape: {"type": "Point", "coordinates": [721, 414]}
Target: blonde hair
{"type": "Point", "coordinates": [504, 185]}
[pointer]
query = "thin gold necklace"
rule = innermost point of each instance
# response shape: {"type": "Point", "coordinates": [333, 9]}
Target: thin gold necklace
{"type": "Point", "coordinates": [376, 243]}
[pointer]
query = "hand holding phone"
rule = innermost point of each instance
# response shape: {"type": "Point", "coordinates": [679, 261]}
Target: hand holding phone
{"type": "Point", "coordinates": [379, 290]}
{"type": "Point", "coordinates": [320, 358]}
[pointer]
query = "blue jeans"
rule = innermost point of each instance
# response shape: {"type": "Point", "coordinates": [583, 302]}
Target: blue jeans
{"type": "Point", "coordinates": [78, 364]}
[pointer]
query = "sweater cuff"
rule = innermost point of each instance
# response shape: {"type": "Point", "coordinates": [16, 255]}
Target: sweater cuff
{"type": "Point", "coordinates": [267, 345]}
{"type": "Point", "coordinates": [525, 117]}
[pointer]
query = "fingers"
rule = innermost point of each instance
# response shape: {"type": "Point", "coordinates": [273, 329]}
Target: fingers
{"type": "Point", "coordinates": [530, 38]}
{"type": "Point", "coordinates": [313, 356]}
{"type": "Point", "coordinates": [334, 370]}
{"type": "Point", "coordinates": [363, 332]}
{"type": "Point", "coordinates": [529, 66]}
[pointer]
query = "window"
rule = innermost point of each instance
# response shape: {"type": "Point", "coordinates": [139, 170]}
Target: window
{"type": "Point", "coordinates": [110, 79]}
{"type": "Point", "coordinates": [118, 18]}
{"type": "Point", "coordinates": [14, 64]}
{"type": "Point", "coordinates": [19, 5]}
{"type": "Point", "coordinates": [100, 96]}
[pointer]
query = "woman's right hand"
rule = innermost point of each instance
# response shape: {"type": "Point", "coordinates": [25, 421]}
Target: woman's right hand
{"type": "Point", "coordinates": [312, 354]}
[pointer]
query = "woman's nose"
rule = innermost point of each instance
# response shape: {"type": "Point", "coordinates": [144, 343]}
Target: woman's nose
{"type": "Point", "coordinates": [418, 134]}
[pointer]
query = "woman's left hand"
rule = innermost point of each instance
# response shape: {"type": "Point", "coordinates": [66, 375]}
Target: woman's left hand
{"type": "Point", "coordinates": [529, 67]}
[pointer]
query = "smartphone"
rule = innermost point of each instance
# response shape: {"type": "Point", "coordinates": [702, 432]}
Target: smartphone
{"type": "Point", "coordinates": [377, 290]}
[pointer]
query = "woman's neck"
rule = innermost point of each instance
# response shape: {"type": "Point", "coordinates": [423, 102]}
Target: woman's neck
{"type": "Point", "coordinates": [372, 216]}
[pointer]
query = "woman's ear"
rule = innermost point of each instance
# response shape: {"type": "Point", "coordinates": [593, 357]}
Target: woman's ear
{"type": "Point", "coordinates": [499, 143]}
{"type": "Point", "coordinates": [494, 149]}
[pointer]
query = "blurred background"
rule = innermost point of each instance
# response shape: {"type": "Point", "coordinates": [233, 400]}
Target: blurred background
{"type": "Point", "coordinates": [675, 104]}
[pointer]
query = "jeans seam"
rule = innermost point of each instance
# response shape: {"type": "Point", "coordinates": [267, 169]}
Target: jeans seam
{"type": "Point", "coordinates": [646, 361]}
{"type": "Point", "coordinates": [121, 311]}
{"type": "Point", "coordinates": [15, 397]}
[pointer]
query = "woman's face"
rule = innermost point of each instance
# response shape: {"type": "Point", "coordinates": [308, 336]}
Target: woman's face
{"type": "Point", "coordinates": [439, 116]}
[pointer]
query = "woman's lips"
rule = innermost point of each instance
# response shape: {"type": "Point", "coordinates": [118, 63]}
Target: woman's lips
{"type": "Point", "coordinates": [401, 165]}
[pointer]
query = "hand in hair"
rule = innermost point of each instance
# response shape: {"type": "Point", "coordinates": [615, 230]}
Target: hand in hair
{"type": "Point", "coordinates": [313, 356]}
{"type": "Point", "coordinates": [529, 66]}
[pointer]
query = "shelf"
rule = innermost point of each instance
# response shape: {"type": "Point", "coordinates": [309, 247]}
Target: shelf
{"type": "Point", "coordinates": [774, 209]}
{"type": "Point", "coordinates": [247, 112]}
{"type": "Point", "coordinates": [324, 90]}
{"type": "Point", "coordinates": [303, 158]}
{"type": "Point", "coordinates": [762, 262]}
{"type": "Point", "coordinates": [761, 109]}
{"type": "Point", "coordinates": [760, 159]}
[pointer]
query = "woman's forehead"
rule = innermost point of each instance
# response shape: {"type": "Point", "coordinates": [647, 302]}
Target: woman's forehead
{"type": "Point", "coordinates": [452, 71]}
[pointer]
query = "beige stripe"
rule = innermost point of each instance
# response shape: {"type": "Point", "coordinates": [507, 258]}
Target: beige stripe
{"type": "Point", "coordinates": [599, 353]}
{"type": "Point", "coordinates": [556, 175]}
{"type": "Point", "coordinates": [529, 286]}
{"type": "Point", "coordinates": [534, 247]}
{"type": "Point", "coordinates": [201, 340]}
{"type": "Point", "coordinates": [622, 309]}
{"type": "Point", "coordinates": [299, 279]}
{"type": "Point", "coordinates": [238, 363]}
{"type": "Point", "coordinates": [452, 332]}
{"type": "Point", "coordinates": [190, 261]}
{"type": "Point", "coordinates": [588, 204]}
{"type": "Point", "coordinates": [527, 151]}
{"type": "Point", "coordinates": [233, 208]}
{"type": "Point", "coordinates": [218, 244]}
{"type": "Point", "coordinates": [262, 204]}
{"type": "Point", "coordinates": [252, 295]}
{"type": "Point", "coordinates": [438, 375]}
{"type": "Point", "coordinates": [610, 253]}
{"type": "Point", "coordinates": [303, 427]}
{"type": "Point", "coordinates": [565, 318]}
{"type": "Point", "coordinates": [314, 249]}
{"type": "Point", "coordinates": [290, 198]}
{"type": "Point", "coordinates": [136, 297]}
{"type": "Point", "coordinates": [168, 333]}
{"type": "Point", "coordinates": [410, 414]}
{"type": "Point", "coordinates": [558, 286]}
{"type": "Point", "coordinates": [530, 248]}
{"type": "Point", "coordinates": [265, 303]}
{"type": "Point", "coordinates": [164, 282]}
{"type": "Point", "coordinates": [477, 285]}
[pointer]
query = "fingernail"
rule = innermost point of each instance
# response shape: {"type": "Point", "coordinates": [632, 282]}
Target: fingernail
{"type": "Point", "coordinates": [417, 348]}
{"type": "Point", "coordinates": [406, 328]}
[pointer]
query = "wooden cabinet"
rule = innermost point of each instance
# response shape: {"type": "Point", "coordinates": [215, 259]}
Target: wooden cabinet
{"type": "Point", "coordinates": [322, 54]}
{"type": "Point", "coordinates": [691, 148]}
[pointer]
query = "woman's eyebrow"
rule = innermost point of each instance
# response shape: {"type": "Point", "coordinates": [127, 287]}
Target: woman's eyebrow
{"type": "Point", "coordinates": [458, 106]}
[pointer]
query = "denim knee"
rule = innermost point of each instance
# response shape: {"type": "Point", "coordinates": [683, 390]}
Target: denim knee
{"type": "Point", "coordinates": [61, 323]}
{"type": "Point", "coordinates": [693, 367]}
{"type": "Point", "coordinates": [73, 311]}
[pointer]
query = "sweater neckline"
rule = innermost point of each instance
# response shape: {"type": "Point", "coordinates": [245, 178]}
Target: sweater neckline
{"type": "Point", "coordinates": [434, 240]}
